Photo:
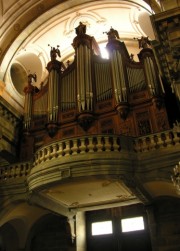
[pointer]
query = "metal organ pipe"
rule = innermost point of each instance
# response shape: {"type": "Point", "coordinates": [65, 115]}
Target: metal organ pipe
{"type": "Point", "coordinates": [103, 81]}
{"type": "Point", "coordinates": [80, 77]}
{"type": "Point", "coordinates": [148, 75]}
{"type": "Point", "coordinates": [122, 78]}
{"type": "Point", "coordinates": [114, 47]}
{"type": "Point", "coordinates": [40, 104]}
{"type": "Point", "coordinates": [89, 93]}
{"type": "Point", "coordinates": [115, 77]}
{"type": "Point", "coordinates": [118, 77]}
{"type": "Point", "coordinates": [103, 84]}
{"type": "Point", "coordinates": [97, 78]}
{"type": "Point", "coordinates": [53, 96]}
{"type": "Point", "coordinates": [68, 86]}
{"type": "Point", "coordinates": [84, 80]}
{"type": "Point", "coordinates": [136, 79]}
{"type": "Point", "coordinates": [84, 45]}
{"type": "Point", "coordinates": [28, 110]}
{"type": "Point", "coordinates": [54, 68]}
{"type": "Point", "coordinates": [154, 83]}
{"type": "Point", "coordinates": [28, 90]}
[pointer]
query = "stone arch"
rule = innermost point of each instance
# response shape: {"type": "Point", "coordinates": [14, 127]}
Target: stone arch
{"type": "Point", "coordinates": [50, 231]}
{"type": "Point", "coordinates": [9, 240]}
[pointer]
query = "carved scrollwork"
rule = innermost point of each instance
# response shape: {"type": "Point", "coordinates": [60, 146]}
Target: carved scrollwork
{"type": "Point", "coordinates": [85, 120]}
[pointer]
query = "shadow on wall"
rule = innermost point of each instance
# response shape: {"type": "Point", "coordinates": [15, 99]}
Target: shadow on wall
{"type": "Point", "coordinates": [50, 233]}
{"type": "Point", "coordinates": [8, 238]}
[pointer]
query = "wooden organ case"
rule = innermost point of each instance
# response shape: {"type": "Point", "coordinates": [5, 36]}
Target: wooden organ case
{"type": "Point", "coordinates": [95, 95]}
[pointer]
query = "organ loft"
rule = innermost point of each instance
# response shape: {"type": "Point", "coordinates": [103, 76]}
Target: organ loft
{"type": "Point", "coordinates": [93, 95]}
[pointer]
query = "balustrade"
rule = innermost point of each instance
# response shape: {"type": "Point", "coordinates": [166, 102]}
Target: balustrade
{"type": "Point", "coordinates": [20, 170]}
{"type": "Point", "coordinates": [91, 144]}
{"type": "Point", "coordinates": [76, 146]}
{"type": "Point", "coordinates": [156, 141]}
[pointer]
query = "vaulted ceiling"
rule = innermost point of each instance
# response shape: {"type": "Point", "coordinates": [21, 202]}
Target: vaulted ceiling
{"type": "Point", "coordinates": [28, 27]}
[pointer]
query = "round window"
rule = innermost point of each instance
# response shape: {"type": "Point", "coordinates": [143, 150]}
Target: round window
{"type": "Point", "coordinates": [19, 77]}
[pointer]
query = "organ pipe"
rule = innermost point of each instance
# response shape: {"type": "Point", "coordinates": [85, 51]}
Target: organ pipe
{"type": "Point", "coordinates": [53, 96]}
{"type": "Point", "coordinates": [103, 81]}
{"type": "Point", "coordinates": [67, 90]}
{"type": "Point", "coordinates": [118, 76]}
{"type": "Point", "coordinates": [28, 90]}
{"type": "Point", "coordinates": [40, 105]}
{"type": "Point", "coordinates": [84, 79]}
{"type": "Point", "coordinates": [152, 76]}
{"type": "Point", "coordinates": [84, 44]}
{"type": "Point", "coordinates": [118, 73]}
{"type": "Point", "coordinates": [120, 89]}
{"type": "Point", "coordinates": [151, 71]}
{"type": "Point", "coordinates": [136, 79]}
{"type": "Point", "coordinates": [54, 68]}
{"type": "Point", "coordinates": [148, 77]}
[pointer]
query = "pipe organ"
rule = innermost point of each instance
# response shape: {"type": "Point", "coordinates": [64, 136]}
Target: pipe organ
{"type": "Point", "coordinates": [136, 79]}
{"type": "Point", "coordinates": [152, 74]}
{"type": "Point", "coordinates": [68, 91]}
{"type": "Point", "coordinates": [41, 103]}
{"type": "Point", "coordinates": [54, 69]}
{"type": "Point", "coordinates": [102, 74]}
{"type": "Point", "coordinates": [95, 95]}
{"type": "Point", "coordinates": [28, 90]}
{"type": "Point", "coordinates": [120, 89]}
{"type": "Point", "coordinates": [84, 79]}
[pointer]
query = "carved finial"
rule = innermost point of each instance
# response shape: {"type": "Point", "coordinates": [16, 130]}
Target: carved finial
{"type": "Point", "coordinates": [131, 57]}
{"type": "Point", "coordinates": [32, 78]}
{"type": "Point", "coordinates": [30, 88]}
{"type": "Point", "coordinates": [68, 63]}
{"type": "Point", "coordinates": [81, 29]}
{"type": "Point", "coordinates": [112, 34]}
{"type": "Point", "coordinates": [144, 42]}
{"type": "Point", "coordinates": [54, 52]}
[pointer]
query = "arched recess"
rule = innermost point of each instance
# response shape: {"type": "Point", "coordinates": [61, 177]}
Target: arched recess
{"type": "Point", "coordinates": [21, 217]}
{"type": "Point", "coordinates": [50, 231]}
{"type": "Point", "coordinates": [9, 240]}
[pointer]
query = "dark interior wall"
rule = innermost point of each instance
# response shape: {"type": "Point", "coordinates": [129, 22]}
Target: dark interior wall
{"type": "Point", "coordinates": [118, 241]}
{"type": "Point", "coordinates": [50, 233]}
{"type": "Point", "coordinates": [167, 217]}
{"type": "Point", "coordinates": [172, 104]}
{"type": "Point", "coordinates": [8, 238]}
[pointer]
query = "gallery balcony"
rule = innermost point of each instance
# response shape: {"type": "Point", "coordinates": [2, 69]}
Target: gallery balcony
{"type": "Point", "coordinates": [107, 169]}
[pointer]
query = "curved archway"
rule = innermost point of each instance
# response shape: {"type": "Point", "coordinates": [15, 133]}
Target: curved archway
{"type": "Point", "coordinates": [50, 231]}
{"type": "Point", "coordinates": [57, 26]}
{"type": "Point", "coordinates": [18, 76]}
{"type": "Point", "coordinates": [9, 240]}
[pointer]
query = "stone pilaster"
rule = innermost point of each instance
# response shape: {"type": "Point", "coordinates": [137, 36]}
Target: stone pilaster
{"type": "Point", "coordinates": [80, 232]}
{"type": "Point", "coordinates": [152, 227]}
